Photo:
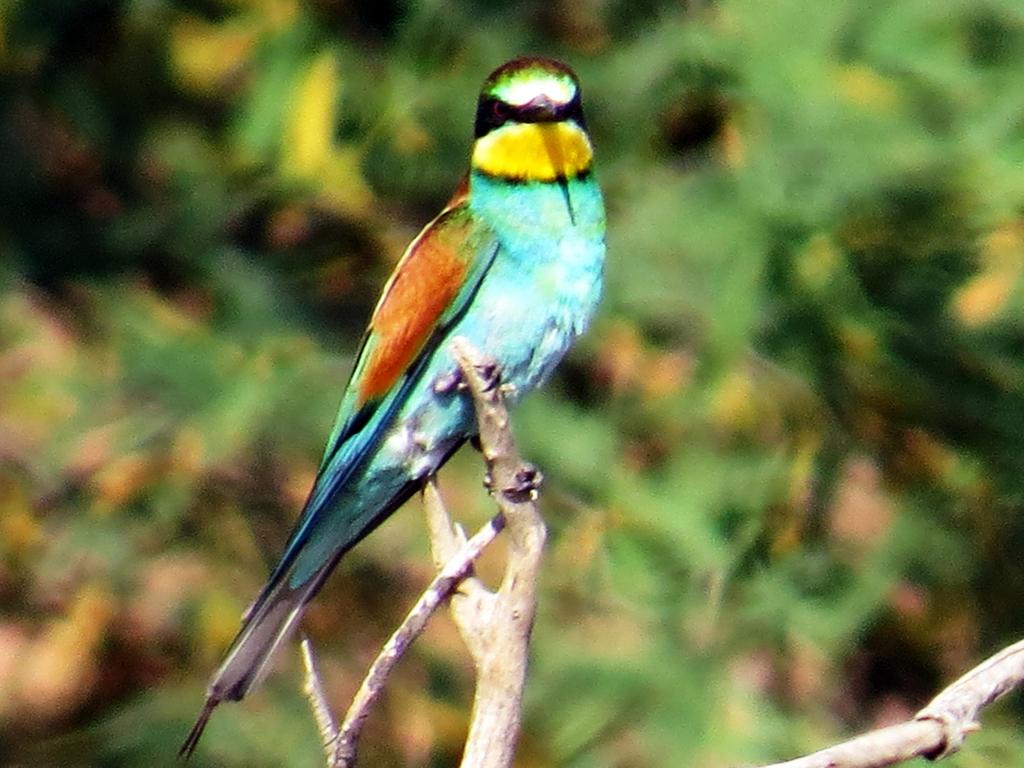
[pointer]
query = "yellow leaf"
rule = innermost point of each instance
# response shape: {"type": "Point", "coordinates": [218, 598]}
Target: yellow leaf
{"type": "Point", "coordinates": [218, 622]}
{"type": "Point", "coordinates": [982, 297]}
{"type": "Point", "coordinates": [802, 471]}
{"type": "Point", "coordinates": [121, 480]}
{"type": "Point", "coordinates": [733, 407]}
{"type": "Point", "coordinates": [308, 151]}
{"type": "Point", "coordinates": [188, 451]}
{"type": "Point", "coordinates": [203, 56]}
{"type": "Point", "coordinates": [667, 373]}
{"type": "Point", "coordinates": [817, 263]}
{"type": "Point", "coordinates": [411, 138]}
{"type": "Point", "coordinates": [60, 667]}
{"type": "Point", "coordinates": [308, 133]}
{"type": "Point", "coordinates": [20, 531]}
{"type": "Point", "coordinates": [344, 185]}
{"type": "Point", "coordinates": [858, 341]}
{"type": "Point", "coordinates": [620, 356]}
{"type": "Point", "coordinates": [731, 144]}
{"type": "Point", "coordinates": [865, 87]}
{"type": "Point", "coordinates": [1002, 261]}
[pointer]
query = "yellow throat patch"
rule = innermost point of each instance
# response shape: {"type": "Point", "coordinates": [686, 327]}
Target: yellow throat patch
{"type": "Point", "coordinates": [534, 151]}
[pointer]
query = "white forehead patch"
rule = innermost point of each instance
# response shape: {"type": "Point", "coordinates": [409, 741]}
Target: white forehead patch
{"type": "Point", "coordinates": [524, 88]}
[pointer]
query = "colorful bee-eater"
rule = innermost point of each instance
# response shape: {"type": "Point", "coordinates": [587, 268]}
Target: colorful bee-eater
{"type": "Point", "coordinates": [513, 264]}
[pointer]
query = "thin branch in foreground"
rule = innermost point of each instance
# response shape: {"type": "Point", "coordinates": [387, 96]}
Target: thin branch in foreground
{"type": "Point", "coordinates": [415, 622]}
{"type": "Point", "coordinates": [936, 731]}
{"type": "Point", "coordinates": [314, 690]}
{"type": "Point", "coordinates": [341, 743]}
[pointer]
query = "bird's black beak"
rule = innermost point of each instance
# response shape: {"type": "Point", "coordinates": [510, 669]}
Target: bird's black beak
{"type": "Point", "coordinates": [539, 110]}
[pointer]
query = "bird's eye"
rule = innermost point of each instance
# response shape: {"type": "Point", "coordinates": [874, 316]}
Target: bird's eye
{"type": "Point", "coordinates": [499, 111]}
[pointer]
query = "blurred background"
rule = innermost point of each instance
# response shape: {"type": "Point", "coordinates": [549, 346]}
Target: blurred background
{"type": "Point", "coordinates": [785, 468]}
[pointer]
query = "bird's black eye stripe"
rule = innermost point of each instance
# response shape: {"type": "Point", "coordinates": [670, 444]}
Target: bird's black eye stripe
{"type": "Point", "coordinates": [571, 111]}
{"type": "Point", "coordinates": [492, 113]}
{"type": "Point", "coordinates": [574, 111]}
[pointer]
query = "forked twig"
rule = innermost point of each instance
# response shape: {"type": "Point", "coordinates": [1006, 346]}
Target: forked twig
{"type": "Point", "coordinates": [495, 626]}
{"type": "Point", "coordinates": [341, 743]}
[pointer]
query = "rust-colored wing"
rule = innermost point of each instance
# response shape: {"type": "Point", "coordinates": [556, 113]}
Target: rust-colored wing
{"type": "Point", "coordinates": [435, 276]}
{"type": "Point", "coordinates": [431, 286]}
{"type": "Point", "coordinates": [424, 286]}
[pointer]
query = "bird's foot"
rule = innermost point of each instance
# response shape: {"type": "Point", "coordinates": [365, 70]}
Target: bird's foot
{"type": "Point", "coordinates": [454, 381]}
{"type": "Point", "coordinates": [450, 382]}
{"type": "Point", "coordinates": [490, 372]}
{"type": "Point", "coordinates": [528, 479]}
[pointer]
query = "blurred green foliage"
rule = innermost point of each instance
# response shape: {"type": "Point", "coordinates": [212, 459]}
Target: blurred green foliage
{"type": "Point", "coordinates": [785, 466]}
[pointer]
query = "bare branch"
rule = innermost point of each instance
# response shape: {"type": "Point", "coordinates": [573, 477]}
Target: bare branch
{"type": "Point", "coordinates": [448, 540]}
{"type": "Point", "coordinates": [496, 627]}
{"type": "Point", "coordinates": [314, 691]}
{"type": "Point", "coordinates": [373, 684]}
{"type": "Point", "coordinates": [937, 730]}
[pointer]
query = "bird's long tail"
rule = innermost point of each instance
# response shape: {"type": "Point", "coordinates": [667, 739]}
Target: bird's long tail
{"type": "Point", "coordinates": [276, 612]}
{"type": "Point", "coordinates": [274, 615]}
{"type": "Point", "coordinates": [267, 623]}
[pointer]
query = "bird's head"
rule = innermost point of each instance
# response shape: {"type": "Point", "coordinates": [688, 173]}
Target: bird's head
{"type": "Point", "coordinates": [529, 123]}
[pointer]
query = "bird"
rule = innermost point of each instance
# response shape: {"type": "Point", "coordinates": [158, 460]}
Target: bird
{"type": "Point", "coordinates": [513, 264]}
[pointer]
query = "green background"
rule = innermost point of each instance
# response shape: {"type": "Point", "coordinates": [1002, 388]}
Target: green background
{"type": "Point", "coordinates": [784, 467]}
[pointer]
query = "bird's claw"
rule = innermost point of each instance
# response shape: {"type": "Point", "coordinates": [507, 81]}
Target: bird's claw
{"type": "Point", "coordinates": [490, 373]}
{"type": "Point", "coordinates": [455, 381]}
{"type": "Point", "coordinates": [525, 484]}
{"type": "Point", "coordinates": [450, 382]}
